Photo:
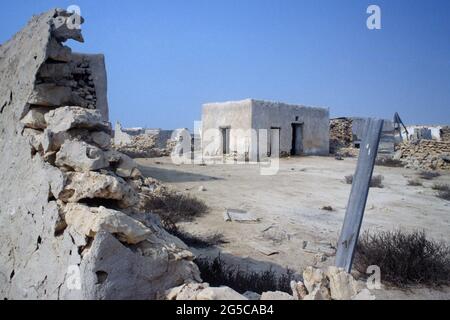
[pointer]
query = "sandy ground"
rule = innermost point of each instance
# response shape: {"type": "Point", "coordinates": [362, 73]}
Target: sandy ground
{"type": "Point", "coordinates": [292, 224]}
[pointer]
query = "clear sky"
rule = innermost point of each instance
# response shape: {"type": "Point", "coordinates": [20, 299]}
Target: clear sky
{"type": "Point", "coordinates": [167, 57]}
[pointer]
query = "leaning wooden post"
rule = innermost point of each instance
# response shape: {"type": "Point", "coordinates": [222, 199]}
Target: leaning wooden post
{"type": "Point", "coordinates": [358, 196]}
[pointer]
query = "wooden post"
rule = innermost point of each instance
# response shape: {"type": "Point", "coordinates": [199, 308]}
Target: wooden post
{"type": "Point", "coordinates": [358, 196]}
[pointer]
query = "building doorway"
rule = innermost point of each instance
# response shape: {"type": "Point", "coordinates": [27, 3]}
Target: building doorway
{"type": "Point", "coordinates": [297, 139]}
{"type": "Point", "coordinates": [225, 140]}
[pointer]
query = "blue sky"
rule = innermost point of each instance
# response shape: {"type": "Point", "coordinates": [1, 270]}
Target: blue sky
{"type": "Point", "coordinates": [167, 57]}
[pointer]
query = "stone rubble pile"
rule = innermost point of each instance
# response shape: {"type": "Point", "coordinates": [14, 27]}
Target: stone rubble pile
{"type": "Point", "coordinates": [72, 218]}
{"type": "Point", "coordinates": [331, 284]}
{"type": "Point", "coordinates": [341, 135]}
{"type": "Point", "coordinates": [142, 144]}
{"type": "Point", "coordinates": [425, 154]}
{"type": "Point", "coordinates": [445, 133]}
{"type": "Point", "coordinates": [347, 133]}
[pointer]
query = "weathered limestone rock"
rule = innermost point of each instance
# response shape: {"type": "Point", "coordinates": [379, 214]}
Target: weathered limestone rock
{"type": "Point", "coordinates": [250, 295]}
{"type": "Point", "coordinates": [66, 118]}
{"type": "Point", "coordinates": [187, 291]}
{"type": "Point", "coordinates": [313, 278]}
{"type": "Point", "coordinates": [125, 167]}
{"type": "Point", "coordinates": [50, 95]}
{"type": "Point", "coordinates": [58, 52]}
{"type": "Point", "coordinates": [333, 284]}
{"type": "Point", "coordinates": [101, 139]}
{"type": "Point", "coordinates": [316, 283]}
{"type": "Point", "coordinates": [80, 156]}
{"type": "Point", "coordinates": [55, 71]}
{"type": "Point", "coordinates": [114, 271]}
{"type": "Point", "coordinates": [220, 293]}
{"type": "Point", "coordinates": [106, 254]}
{"type": "Point", "coordinates": [202, 291]}
{"type": "Point", "coordinates": [89, 221]}
{"type": "Point", "coordinates": [35, 138]}
{"type": "Point", "coordinates": [342, 284]}
{"type": "Point", "coordinates": [93, 185]}
{"type": "Point", "coordinates": [276, 295]}
{"type": "Point", "coordinates": [53, 141]}
{"type": "Point", "coordinates": [299, 290]}
{"type": "Point", "coordinates": [35, 119]}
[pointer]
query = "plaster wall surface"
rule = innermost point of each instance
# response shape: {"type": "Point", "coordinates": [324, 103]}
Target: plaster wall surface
{"type": "Point", "coordinates": [235, 115]}
{"type": "Point", "coordinates": [314, 122]}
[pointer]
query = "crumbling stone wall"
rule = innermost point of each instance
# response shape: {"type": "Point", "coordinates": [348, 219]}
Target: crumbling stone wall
{"type": "Point", "coordinates": [347, 133]}
{"type": "Point", "coordinates": [425, 154]}
{"type": "Point", "coordinates": [445, 134]}
{"type": "Point", "coordinates": [341, 135]}
{"type": "Point", "coordinates": [144, 143]}
{"type": "Point", "coordinates": [72, 218]}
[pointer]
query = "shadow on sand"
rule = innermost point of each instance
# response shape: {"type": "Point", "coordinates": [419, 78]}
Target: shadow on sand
{"type": "Point", "coordinates": [174, 176]}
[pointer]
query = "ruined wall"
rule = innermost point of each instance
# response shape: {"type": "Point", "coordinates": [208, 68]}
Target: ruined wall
{"type": "Point", "coordinates": [347, 133]}
{"type": "Point", "coordinates": [72, 212]}
{"type": "Point", "coordinates": [145, 143]}
{"type": "Point", "coordinates": [435, 132]}
{"type": "Point", "coordinates": [341, 134]}
{"type": "Point", "coordinates": [444, 133]}
{"type": "Point", "coordinates": [387, 139]}
{"type": "Point", "coordinates": [425, 154]}
{"type": "Point", "coordinates": [96, 78]}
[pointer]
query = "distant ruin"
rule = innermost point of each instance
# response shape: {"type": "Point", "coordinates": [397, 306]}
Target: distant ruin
{"type": "Point", "coordinates": [145, 143]}
{"type": "Point", "coordinates": [347, 133]}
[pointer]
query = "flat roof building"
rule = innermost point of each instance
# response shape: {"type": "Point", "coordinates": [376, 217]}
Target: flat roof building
{"type": "Point", "coordinates": [256, 129]}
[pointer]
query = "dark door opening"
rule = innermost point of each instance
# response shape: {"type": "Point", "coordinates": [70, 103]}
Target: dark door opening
{"type": "Point", "coordinates": [225, 140]}
{"type": "Point", "coordinates": [297, 139]}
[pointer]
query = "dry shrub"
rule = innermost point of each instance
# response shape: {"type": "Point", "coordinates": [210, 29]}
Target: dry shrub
{"type": "Point", "coordinates": [174, 206]}
{"type": "Point", "coordinates": [405, 258]}
{"type": "Point", "coordinates": [429, 175]}
{"type": "Point", "coordinates": [440, 187]}
{"type": "Point", "coordinates": [415, 183]}
{"type": "Point", "coordinates": [217, 273]}
{"type": "Point", "coordinates": [444, 194]}
{"type": "Point", "coordinates": [389, 162]}
{"type": "Point", "coordinates": [375, 182]}
{"type": "Point", "coordinates": [443, 190]}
